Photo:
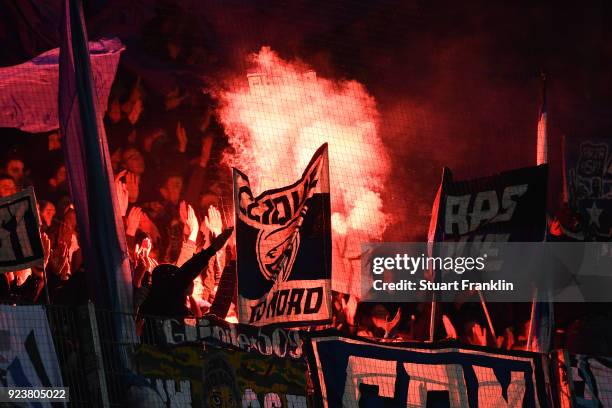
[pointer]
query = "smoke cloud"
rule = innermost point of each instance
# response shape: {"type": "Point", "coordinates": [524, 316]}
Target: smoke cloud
{"type": "Point", "coordinates": [277, 120]}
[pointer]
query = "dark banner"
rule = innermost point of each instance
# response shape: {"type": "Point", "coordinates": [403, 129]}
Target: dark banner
{"type": "Point", "coordinates": [588, 164]}
{"type": "Point", "coordinates": [190, 376]}
{"type": "Point", "coordinates": [283, 239]}
{"type": "Point", "coordinates": [20, 245]}
{"type": "Point", "coordinates": [350, 372]}
{"type": "Point", "coordinates": [591, 379]}
{"type": "Point", "coordinates": [268, 341]}
{"type": "Point", "coordinates": [27, 355]}
{"type": "Point", "coordinates": [475, 218]}
{"type": "Point", "coordinates": [506, 207]}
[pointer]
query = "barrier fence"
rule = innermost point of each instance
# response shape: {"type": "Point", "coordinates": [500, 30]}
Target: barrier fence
{"type": "Point", "coordinates": [214, 363]}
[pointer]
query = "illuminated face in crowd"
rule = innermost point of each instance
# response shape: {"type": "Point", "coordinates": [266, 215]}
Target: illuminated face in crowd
{"type": "Point", "coordinates": [114, 111]}
{"type": "Point", "coordinates": [171, 190]}
{"type": "Point", "coordinates": [14, 168]}
{"type": "Point", "coordinates": [47, 213]}
{"type": "Point", "coordinates": [7, 187]}
{"type": "Point", "coordinates": [134, 162]}
{"type": "Point", "coordinates": [22, 275]}
{"type": "Point", "coordinates": [61, 174]}
{"type": "Point", "coordinates": [54, 142]}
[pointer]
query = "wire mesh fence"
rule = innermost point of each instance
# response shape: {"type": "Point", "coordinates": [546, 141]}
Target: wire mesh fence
{"type": "Point", "coordinates": [64, 325]}
{"type": "Point", "coordinates": [80, 348]}
{"type": "Point", "coordinates": [74, 347]}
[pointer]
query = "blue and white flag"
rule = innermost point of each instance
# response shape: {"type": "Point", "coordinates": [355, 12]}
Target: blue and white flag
{"type": "Point", "coordinates": [283, 244]}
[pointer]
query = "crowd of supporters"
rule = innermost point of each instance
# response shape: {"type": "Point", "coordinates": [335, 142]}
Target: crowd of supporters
{"type": "Point", "coordinates": [170, 190]}
{"type": "Point", "coordinates": [175, 196]}
{"type": "Point", "coordinates": [178, 234]}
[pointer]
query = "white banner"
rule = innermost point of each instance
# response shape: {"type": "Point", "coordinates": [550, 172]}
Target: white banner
{"type": "Point", "coordinates": [27, 354]}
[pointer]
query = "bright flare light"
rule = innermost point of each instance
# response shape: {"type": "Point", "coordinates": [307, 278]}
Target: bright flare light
{"type": "Point", "coordinates": [277, 121]}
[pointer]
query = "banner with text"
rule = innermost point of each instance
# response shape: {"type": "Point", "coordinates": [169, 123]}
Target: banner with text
{"type": "Point", "coordinates": [475, 216]}
{"type": "Point", "coordinates": [20, 245]}
{"type": "Point", "coordinates": [350, 372]}
{"type": "Point", "coordinates": [27, 354]}
{"type": "Point", "coordinates": [506, 207]}
{"type": "Point", "coordinates": [283, 241]}
{"type": "Point", "coordinates": [275, 341]}
{"type": "Point", "coordinates": [190, 376]}
{"type": "Point", "coordinates": [591, 379]}
{"type": "Point", "coordinates": [588, 164]}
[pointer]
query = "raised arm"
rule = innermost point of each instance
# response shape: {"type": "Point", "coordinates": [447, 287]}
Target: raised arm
{"type": "Point", "coordinates": [192, 268]}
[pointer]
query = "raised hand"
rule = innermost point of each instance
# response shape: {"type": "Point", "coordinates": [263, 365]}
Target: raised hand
{"type": "Point", "coordinates": [132, 182]}
{"type": "Point", "coordinates": [207, 143]}
{"type": "Point", "coordinates": [46, 244]}
{"type": "Point", "coordinates": [140, 267]}
{"type": "Point", "coordinates": [65, 269]}
{"type": "Point", "coordinates": [181, 137]}
{"type": "Point", "coordinates": [56, 258]}
{"type": "Point", "coordinates": [506, 340]}
{"type": "Point", "coordinates": [213, 220]}
{"type": "Point", "coordinates": [192, 222]}
{"type": "Point", "coordinates": [393, 323]}
{"type": "Point", "coordinates": [134, 114]}
{"type": "Point", "coordinates": [479, 335]}
{"type": "Point", "coordinates": [183, 212]}
{"type": "Point", "coordinates": [154, 263]}
{"type": "Point", "coordinates": [74, 245]}
{"type": "Point", "coordinates": [60, 260]}
{"type": "Point", "coordinates": [133, 221]}
{"type": "Point", "coordinates": [142, 253]}
{"type": "Point", "coordinates": [146, 247]}
{"type": "Point", "coordinates": [114, 111]}
{"type": "Point", "coordinates": [189, 219]}
{"type": "Point", "coordinates": [143, 264]}
{"type": "Point", "coordinates": [206, 119]}
{"type": "Point", "coordinates": [451, 333]}
{"type": "Point", "coordinates": [350, 309]}
{"type": "Point", "coordinates": [122, 193]}
{"type": "Point", "coordinates": [387, 325]}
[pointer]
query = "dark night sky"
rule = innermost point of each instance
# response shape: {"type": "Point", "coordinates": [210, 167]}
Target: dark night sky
{"type": "Point", "coordinates": [457, 82]}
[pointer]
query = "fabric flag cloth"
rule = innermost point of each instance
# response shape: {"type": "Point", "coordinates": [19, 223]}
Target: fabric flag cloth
{"type": "Point", "coordinates": [588, 170]}
{"type": "Point", "coordinates": [283, 241]}
{"type": "Point", "coordinates": [88, 165]}
{"type": "Point", "coordinates": [435, 235]}
{"type": "Point", "coordinates": [28, 91]}
{"type": "Point", "coordinates": [506, 207]}
{"type": "Point", "coordinates": [542, 310]}
{"type": "Point", "coordinates": [20, 244]}
{"type": "Point", "coordinates": [542, 146]}
{"type": "Point", "coordinates": [27, 355]}
{"type": "Point", "coordinates": [565, 191]}
{"type": "Point", "coordinates": [349, 371]}
{"type": "Point", "coordinates": [542, 321]}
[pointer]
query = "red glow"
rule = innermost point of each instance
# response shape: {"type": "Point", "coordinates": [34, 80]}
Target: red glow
{"type": "Point", "coordinates": [284, 113]}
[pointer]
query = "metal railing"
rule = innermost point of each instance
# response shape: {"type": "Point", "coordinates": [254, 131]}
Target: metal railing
{"type": "Point", "coordinates": [91, 354]}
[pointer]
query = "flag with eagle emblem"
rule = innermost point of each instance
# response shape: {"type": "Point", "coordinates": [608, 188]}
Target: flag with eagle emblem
{"type": "Point", "coordinates": [283, 245]}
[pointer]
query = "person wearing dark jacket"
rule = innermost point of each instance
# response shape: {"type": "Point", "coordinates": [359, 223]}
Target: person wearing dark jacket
{"type": "Point", "coordinates": [170, 283]}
